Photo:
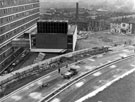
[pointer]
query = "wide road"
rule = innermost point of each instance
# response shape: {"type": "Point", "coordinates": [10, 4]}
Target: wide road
{"type": "Point", "coordinates": [86, 88]}
{"type": "Point", "coordinates": [32, 92]}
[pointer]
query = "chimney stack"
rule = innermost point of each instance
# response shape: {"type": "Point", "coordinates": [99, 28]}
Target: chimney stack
{"type": "Point", "coordinates": [77, 11]}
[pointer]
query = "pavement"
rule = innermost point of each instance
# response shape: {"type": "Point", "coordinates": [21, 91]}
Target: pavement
{"type": "Point", "coordinates": [90, 86]}
{"type": "Point", "coordinates": [33, 93]}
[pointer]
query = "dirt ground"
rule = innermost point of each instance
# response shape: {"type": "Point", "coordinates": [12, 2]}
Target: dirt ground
{"type": "Point", "coordinates": [105, 38]}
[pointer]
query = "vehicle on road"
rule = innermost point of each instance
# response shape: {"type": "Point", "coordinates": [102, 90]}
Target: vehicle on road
{"type": "Point", "coordinates": [70, 73]}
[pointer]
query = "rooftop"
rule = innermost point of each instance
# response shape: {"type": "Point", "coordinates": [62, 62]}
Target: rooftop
{"type": "Point", "coordinates": [53, 21]}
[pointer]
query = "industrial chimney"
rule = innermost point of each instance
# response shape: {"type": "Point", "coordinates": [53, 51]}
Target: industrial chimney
{"type": "Point", "coordinates": [77, 11]}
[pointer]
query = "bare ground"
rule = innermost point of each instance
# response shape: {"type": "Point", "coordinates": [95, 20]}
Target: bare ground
{"type": "Point", "coordinates": [105, 38]}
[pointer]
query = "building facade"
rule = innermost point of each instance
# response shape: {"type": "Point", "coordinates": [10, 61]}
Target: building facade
{"type": "Point", "coordinates": [122, 27]}
{"type": "Point", "coordinates": [16, 16]}
{"type": "Point", "coordinates": [55, 36]}
{"type": "Point", "coordinates": [98, 25]}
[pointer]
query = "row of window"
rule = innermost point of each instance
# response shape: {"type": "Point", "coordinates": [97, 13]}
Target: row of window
{"type": "Point", "coordinates": [6, 54]}
{"type": "Point", "coordinates": [17, 16]}
{"type": "Point", "coordinates": [16, 31]}
{"type": "Point", "coordinates": [12, 10]}
{"type": "Point", "coordinates": [7, 3]}
{"type": "Point", "coordinates": [10, 59]}
{"type": "Point", "coordinates": [13, 25]}
{"type": "Point", "coordinates": [5, 47]}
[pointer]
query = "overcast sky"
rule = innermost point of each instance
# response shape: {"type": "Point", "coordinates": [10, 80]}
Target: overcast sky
{"type": "Point", "coordinates": [121, 2]}
{"type": "Point", "coordinates": [60, 0]}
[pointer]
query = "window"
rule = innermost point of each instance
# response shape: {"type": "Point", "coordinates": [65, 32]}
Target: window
{"type": "Point", "coordinates": [17, 23]}
{"type": "Point", "coordinates": [7, 3]}
{"type": "Point", "coordinates": [16, 31]}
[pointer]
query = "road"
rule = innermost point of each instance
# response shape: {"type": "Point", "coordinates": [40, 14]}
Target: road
{"type": "Point", "coordinates": [32, 92]}
{"type": "Point", "coordinates": [83, 90]}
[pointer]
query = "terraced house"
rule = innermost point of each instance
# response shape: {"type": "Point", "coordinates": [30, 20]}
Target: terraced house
{"type": "Point", "coordinates": [16, 16]}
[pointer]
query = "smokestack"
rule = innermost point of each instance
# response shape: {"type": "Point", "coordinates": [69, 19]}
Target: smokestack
{"type": "Point", "coordinates": [77, 11]}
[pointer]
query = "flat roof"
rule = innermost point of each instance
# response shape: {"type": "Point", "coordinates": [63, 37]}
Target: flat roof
{"type": "Point", "coordinates": [53, 21]}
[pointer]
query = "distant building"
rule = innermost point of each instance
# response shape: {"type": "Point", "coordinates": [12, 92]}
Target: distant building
{"type": "Point", "coordinates": [98, 25]}
{"type": "Point", "coordinates": [123, 27]}
{"type": "Point", "coordinates": [16, 16]}
{"type": "Point", "coordinates": [54, 36]}
{"type": "Point", "coordinates": [81, 25]}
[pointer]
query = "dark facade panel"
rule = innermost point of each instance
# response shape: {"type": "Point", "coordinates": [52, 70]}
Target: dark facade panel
{"type": "Point", "coordinates": [51, 41]}
{"type": "Point", "coordinates": [69, 46]}
{"type": "Point", "coordinates": [52, 27]}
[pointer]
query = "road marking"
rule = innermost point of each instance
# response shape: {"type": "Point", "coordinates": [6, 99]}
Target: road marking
{"type": "Point", "coordinates": [16, 97]}
{"type": "Point", "coordinates": [109, 61]}
{"type": "Point", "coordinates": [113, 66]}
{"type": "Point", "coordinates": [100, 56]}
{"type": "Point", "coordinates": [89, 67]}
{"type": "Point", "coordinates": [90, 59]}
{"type": "Point", "coordinates": [82, 73]}
{"type": "Point", "coordinates": [93, 93]}
{"type": "Point", "coordinates": [102, 81]}
{"type": "Point", "coordinates": [56, 100]}
{"type": "Point", "coordinates": [35, 95]}
{"type": "Point", "coordinates": [96, 87]}
{"type": "Point", "coordinates": [59, 85]}
{"type": "Point", "coordinates": [101, 64]}
{"type": "Point", "coordinates": [79, 84]}
{"type": "Point", "coordinates": [118, 70]}
{"type": "Point", "coordinates": [115, 76]}
{"type": "Point", "coordinates": [132, 65]}
{"type": "Point", "coordinates": [123, 55]}
{"type": "Point", "coordinates": [97, 74]}
{"type": "Point", "coordinates": [126, 50]}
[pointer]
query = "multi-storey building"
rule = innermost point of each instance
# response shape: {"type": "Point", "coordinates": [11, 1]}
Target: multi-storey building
{"type": "Point", "coordinates": [16, 16]}
{"type": "Point", "coordinates": [53, 36]}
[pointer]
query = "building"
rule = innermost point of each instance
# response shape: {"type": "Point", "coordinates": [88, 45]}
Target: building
{"type": "Point", "coordinates": [55, 36]}
{"type": "Point", "coordinates": [16, 16]}
{"type": "Point", "coordinates": [98, 24]}
{"type": "Point", "coordinates": [122, 27]}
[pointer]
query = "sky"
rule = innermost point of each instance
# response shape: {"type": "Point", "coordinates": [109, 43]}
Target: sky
{"type": "Point", "coordinates": [119, 2]}
{"type": "Point", "coordinates": [59, 0]}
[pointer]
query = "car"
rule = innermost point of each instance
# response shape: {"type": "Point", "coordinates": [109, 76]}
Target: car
{"type": "Point", "coordinates": [70, 73]}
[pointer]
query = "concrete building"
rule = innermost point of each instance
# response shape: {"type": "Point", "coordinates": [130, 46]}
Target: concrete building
{"type": "Point", "coordinates": [54, 36]}
{"type": "Point", "coordinates": [16, 16]}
